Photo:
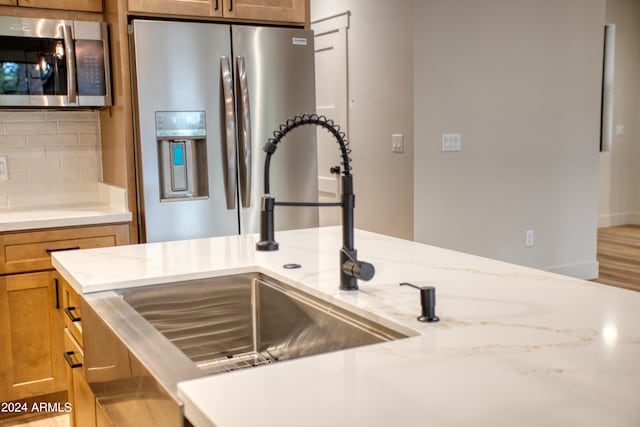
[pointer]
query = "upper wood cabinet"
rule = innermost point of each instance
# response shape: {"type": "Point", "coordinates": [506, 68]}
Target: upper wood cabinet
{"type": "Point", "coordinates": [209, 8]}
{"type": "Point", "coordinates": [9, 2]}
{"type": "Point", "coordinates": [266, 10]}
{"type": "Point", "coordinates": [286, 11]}
{"type": "Point", "coordinates": [83, 5]}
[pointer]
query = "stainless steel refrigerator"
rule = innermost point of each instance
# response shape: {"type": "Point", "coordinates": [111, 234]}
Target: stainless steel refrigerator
{"type": "Point", "coordinates": [207, 98]}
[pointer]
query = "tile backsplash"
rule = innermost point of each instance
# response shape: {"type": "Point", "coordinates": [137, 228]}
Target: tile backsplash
{"type": "Point", "coordinates": [53, 157]}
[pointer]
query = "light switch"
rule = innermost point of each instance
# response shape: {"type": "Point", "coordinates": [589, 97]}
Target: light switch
{"type": "Point", "coordinates": [397, 143]}
{"type": "Point", "coordinates": [451, 142]}
{"type": "Point", "coordinates": [4, 168]}
{"type": "Point", "coordinates": [619, 130]}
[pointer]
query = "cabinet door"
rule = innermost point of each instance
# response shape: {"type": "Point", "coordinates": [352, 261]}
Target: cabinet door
{"type": "Point", "coordinates": [266, 10]}
{"type": "Point", "coordinates": [80, 394]}
{"type": "Point", "coordinates": [84, 5]}
{"type": "Point", "coordinates": [177, 7]}
{"type": "Point", "coordinates": [8, 2]}
{"type": "Point", "coordinates": [30, 341]}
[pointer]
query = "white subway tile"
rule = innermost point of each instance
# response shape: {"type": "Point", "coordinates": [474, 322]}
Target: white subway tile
{"type": "Point", "coordinates": [21, 116]}
{"type": "Point", "coordinates": [18, 176]}
{"type": "Point", "coordinates": [54, 157]}
{"type": "Point", "coordinates": [51, 140]}
{"type": "Point", "coordinates": [71, 116]}
{"type": "Point", "coordinates": [13, 141]}
{"type": "Point", "coordinates": [89, 139]}
{"type": "Point", "coordinates": [40, 128]}
{"type": "Point", "coordinates": [33, 199]}
{"type": "Point", "coordinates": [71, 152]}
{"type": "Point", "coordinates": [78, 127]}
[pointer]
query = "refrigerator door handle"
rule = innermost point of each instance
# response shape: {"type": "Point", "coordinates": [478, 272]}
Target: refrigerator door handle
{"type": "Point", "coordinates": [230, 172]}
{"type": "Point", "coordinates": [244, 133]}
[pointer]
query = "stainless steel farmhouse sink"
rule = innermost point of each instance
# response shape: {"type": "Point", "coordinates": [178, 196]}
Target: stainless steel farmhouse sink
{"type": "Point", "coordinates": [241, 321]}
{"type": "Point", "coordinates": [140, 342]}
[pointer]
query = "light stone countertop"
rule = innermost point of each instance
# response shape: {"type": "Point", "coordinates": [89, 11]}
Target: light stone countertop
{"type": "Point", "coordinates": [18, 219]}
{"type": "Point", "coordinates": [110, 207]}
{"type": "Point", "coordinates": [514, 347]}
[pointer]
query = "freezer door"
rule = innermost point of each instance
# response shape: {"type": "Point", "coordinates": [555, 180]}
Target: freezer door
{"type": "Point", "coordinates": [275, 74]}
{"type": "Point", "coordinates": [179, 71]}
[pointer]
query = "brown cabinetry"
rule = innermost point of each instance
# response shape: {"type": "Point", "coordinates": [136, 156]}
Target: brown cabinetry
{"type": "Point", "coordinates": [267, 10]}
{"type": "Point", "coordinates": [285, 11]}
{"type": "Point", "coordinates": [8, 2]}
{"type": "Point", "coordinates": [31, 250]}
{"type": "Point", "coordinates": [210, 8]}
{"type": "Point", "coordinates": [86, 410]}
{"type": "Point", "coordinates": [35, 306]}
{"type": "Point", "coordinates": [30, 345]}
{"type": "Point", "coordinates": [82, 5]}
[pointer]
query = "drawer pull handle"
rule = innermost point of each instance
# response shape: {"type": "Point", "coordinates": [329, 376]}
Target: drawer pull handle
{"type": "Point", "coordinates": [72, 248]}
{"type": "Point", "coordinates": [69, 310]}
{"type": "Point", "coordinates": [67, 356]}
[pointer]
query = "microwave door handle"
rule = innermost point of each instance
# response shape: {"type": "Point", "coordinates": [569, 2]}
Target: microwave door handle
{"type": "Point", "coordinates": [70, 58]}
{"type": "Point", "coordinates": [244, 133]}
{"type": "Point", "coordinates": [230, 174]}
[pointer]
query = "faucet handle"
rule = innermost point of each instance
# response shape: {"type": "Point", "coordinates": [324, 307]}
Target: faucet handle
{"type": "Point", "coordinates": [359, 269]}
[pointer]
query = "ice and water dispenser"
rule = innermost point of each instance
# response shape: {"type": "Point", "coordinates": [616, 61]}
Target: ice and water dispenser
{"type": "Point", "coordinates": [182, 155]}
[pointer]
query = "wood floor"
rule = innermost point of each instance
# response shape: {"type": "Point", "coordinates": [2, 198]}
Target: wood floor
{"type": "Point", "coordinates": [619, 256]}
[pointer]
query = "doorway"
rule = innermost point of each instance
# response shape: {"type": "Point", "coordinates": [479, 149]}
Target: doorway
{"type": "Point", "coordinates": [332, 102]}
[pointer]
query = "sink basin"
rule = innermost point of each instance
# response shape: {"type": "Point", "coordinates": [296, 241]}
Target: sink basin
{"type": "Point", "coordinates": [139, 343]}
{"type": "Point", "coordinates": [233, 322]}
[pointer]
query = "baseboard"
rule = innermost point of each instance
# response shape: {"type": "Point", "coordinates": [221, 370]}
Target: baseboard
{"type": "Point", "coordinates": [580, 270]}
{"type": "Point", "coordinates": [612, 220]}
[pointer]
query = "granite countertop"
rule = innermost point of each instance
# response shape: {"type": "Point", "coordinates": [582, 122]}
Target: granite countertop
{"type": "Point", "coordinates": [515, 346]}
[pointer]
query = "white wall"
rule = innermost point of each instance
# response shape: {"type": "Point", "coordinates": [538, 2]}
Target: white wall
{"type": "Point", "coordinates": [380, 83]}
{"type": "Point", "coordinates": [520, 80]}
{"type": "Point", "coordinates": [53, 157]}
{"type": "Point", "coordinates": [619, 195]}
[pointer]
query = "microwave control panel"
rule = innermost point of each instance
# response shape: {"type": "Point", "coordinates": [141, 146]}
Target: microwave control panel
{"type": "Point", "coordinates": [90, 66]}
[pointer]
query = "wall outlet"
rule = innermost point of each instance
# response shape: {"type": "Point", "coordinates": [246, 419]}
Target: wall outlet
{"type": "Point", "coordinates": [4, 168]}
{"type": "Point", "coordinates": [451, 142]}
{"type": "Point", "coordinates": [397, 143]}
{"type": "Point", "coordinates": [529, 236]}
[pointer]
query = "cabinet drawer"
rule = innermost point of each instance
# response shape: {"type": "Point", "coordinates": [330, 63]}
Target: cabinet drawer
{"type": "Point", "coordinates": [31, 251]}
{"type": "Point", "coordinates": [71, 315]}
{"type": "Point", "coordinates": [72, 350]}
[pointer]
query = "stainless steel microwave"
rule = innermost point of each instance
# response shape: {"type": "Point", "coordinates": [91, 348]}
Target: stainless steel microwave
{"type": "Point", "coordinates": [53, 63]}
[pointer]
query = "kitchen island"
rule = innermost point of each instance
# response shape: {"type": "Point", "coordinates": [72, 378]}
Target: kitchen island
{"type": "Point", "coordinates": [514, 346]}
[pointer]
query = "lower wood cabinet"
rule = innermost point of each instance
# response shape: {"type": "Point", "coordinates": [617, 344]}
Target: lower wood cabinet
{"type": "Point", "coordinates": [81, 397]}
{"type": "Point", "coordinates": [40, 327]}
{"type": "Point", "coordinates": [30, 342]}
{"type": "Point", "coordinates": [86, 411]}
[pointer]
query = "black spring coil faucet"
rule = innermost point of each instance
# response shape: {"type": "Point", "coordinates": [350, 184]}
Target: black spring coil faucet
{"type": "Point", "coordinates": [351, 269]}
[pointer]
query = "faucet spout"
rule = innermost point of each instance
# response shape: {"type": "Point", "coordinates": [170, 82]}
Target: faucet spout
{"type": "Point", "coordinates": [351, 269]}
